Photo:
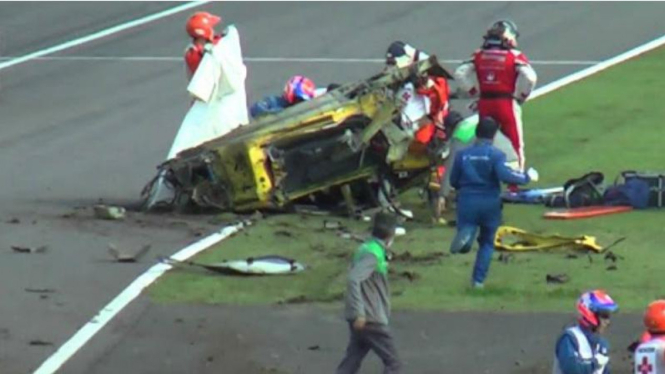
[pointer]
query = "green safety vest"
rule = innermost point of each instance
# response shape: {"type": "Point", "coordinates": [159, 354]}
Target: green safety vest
{"type": "Point", "coordinates": [374, 247]}
{"type": "Point", "coordinates": [465, 131]}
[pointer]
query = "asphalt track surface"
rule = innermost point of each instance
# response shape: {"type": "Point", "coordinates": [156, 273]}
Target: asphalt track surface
{"type": "Point", "coordinates": [76, 131]}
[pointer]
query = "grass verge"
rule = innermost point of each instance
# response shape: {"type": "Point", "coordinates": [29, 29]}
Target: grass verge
{"type": "Point", "coordinates": [609, 122]}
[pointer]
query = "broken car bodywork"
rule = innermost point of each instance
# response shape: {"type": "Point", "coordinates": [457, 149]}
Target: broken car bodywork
{"type": "Point", "coordinates": [342, 144]}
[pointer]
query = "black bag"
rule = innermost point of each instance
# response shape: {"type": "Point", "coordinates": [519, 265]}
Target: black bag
{"type": "Point", "coordinates": [586, 190]}
{"type": "Point", "coordinates": [655, 181]}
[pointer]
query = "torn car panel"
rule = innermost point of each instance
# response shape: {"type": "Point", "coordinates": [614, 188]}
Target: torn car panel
{"type": "Point", "coordinates": [351, 135]}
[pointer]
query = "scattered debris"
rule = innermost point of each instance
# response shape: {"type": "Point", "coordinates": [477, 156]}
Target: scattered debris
{"type": "Point", "coordinates": [40, 290]}
{"type": "Point", "coordinates": [257, 216]}
{"type": "Point", "coordinates": [314, 348]}
{"type": "Point", "coordinates": [426, 257]}
{"type": "Point", "coordinates": [557, 278]}
{"type": "Point", "coordinates": [350, 236]}
{"type": "Point", "coordinates": [615, 242]}
{"type": "Point", "coordinates": [612, 257]}
{"type": "Point", "coordinates": [302, 299]}
{"type": "Point", "coordinates": [68, 215]}
{"type": "Point", "coordinates": [21, 249]}
{"type": "Point", "coordinates": [178, 223]}
{"type": "Point", "coordinates": [332, 225]}
{"type": "Point", "coordinates": [310, 210]}
{"type": "Point", "coordinates": [13, 221]}
{"type": "Point", "coordinates": [339, 255]}
{"type": "Point", "coordinates": [109, 212]}
{"type": "Point", "coordinates": [196, 233]}
{"type": "Point", "coordinates": [410, 275]}
{"type": "Point", "coordinates": [506, 258]}
{"type": "Point", "coordinates": [263, 265]}
{"type": "Point", "coordinates": [127, 257]}
{"type": "Point", "coordinates": [283, 233]}
{"type": "Point", "coordinates": [40, 343]}
{"type": "Point", "coordinates": [319, 247]}
{"type": "Point", "coordinates": [612, 267]}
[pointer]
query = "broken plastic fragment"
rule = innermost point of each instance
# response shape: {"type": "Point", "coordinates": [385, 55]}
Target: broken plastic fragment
{"type": "Point", "coordinates": [556, 278]}
{"type": "Point", "coordinates": [332, 225]}
{"type": "Point", "coordinates": [109, 212]}
{"type": "Point", "coordinates": [125, 256]}
{"type": "Point", "coordinates": [20, 249]}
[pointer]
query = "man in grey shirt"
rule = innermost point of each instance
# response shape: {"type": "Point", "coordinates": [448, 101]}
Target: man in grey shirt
{"type": "Point", "coordinates": [367, 302]}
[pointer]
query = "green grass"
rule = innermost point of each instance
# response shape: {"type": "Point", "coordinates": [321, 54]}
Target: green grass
{"type": "Point", "coordinates": [609, 122]}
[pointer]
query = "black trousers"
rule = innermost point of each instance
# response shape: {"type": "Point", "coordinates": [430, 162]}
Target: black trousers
{"type": "Point", "coordinates": [375, 337]}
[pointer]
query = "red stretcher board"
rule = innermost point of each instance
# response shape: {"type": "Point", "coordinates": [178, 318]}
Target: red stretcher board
{"type": "Point", "coordinates": [586, 212]}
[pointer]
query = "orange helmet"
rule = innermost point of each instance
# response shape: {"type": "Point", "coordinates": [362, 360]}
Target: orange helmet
{"type": "Point", "coordinates": [654, 318]}
{"type": "Point", "coordinates": [201, 24]}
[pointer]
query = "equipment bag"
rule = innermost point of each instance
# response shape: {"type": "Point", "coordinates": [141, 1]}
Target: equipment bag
{"type": "Point", "coordinates": [586, 190]}
{"type": "Point", "coordinates": [646, 189]}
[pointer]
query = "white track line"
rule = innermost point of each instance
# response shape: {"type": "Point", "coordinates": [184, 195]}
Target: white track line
{"type": "Point", "coordinates": [100, 34]}
{"type": "Point", "coordinates": [82, 336]}
{"type": "Point", "coordinates": [275, 59]}
{"type": "Point", "coordinates": [598, 67]}
{"type": "Point", "coordinates": [67, 350]}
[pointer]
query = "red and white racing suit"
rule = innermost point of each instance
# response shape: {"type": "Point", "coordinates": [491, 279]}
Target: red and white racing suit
{"type": "Point", "coordinates": [504, 79]}
{"type": "Point", "coordinates": [194, 55]}
{"type": "Point", "coordinates": [649, 357]}
{"type": "Point", "coordinates": [437, 91]}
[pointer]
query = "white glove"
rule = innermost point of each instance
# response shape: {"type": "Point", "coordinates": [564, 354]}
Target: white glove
{"type": "Point", "coordinates": [601, 359]}
{"type": "Point", "coordinates": [533, 174]}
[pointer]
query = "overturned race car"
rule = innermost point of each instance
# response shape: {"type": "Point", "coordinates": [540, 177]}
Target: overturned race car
{"type": "Point", "coordinates": [346, 149]}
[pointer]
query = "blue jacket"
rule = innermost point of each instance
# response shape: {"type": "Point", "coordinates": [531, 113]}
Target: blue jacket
{"type": "Point", "coordinates": [570, 362]}
{"type": "Point", "coordinates": [481, 168]}
{"type": "Point", "coordinates": [268, 105]}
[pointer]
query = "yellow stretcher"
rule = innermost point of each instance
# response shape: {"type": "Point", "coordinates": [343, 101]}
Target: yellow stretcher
{"type": "Point", "coordinates": [517, 240]}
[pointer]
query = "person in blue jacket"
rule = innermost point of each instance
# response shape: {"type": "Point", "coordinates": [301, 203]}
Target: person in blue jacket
{"type": "Point", "coordinates": [476, 174]}
{"type": "Point", "coordinates": [296, 90]}
{"type": "Point", "coordinates": [581, 349]}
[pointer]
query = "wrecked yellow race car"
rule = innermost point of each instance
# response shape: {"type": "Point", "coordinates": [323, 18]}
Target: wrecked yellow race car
{"type": "Point", "coordinates": [344, 149]}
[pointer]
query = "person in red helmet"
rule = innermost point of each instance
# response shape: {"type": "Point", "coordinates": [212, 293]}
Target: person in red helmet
{"type": "Point", "coordinates": [503, 78]}
{"type": "Point", "coordinates": [297, 89]}
{"type": "Point", "coordinates": [649, 357]}
{"type": "Point", "coordinates": [201, 27]}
